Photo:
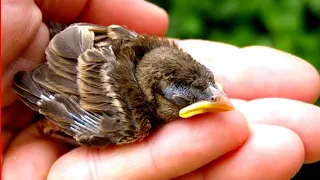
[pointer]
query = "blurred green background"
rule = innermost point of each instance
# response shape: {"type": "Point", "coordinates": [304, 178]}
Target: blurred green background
{"type": "Point", "coordinates": [289, 25]}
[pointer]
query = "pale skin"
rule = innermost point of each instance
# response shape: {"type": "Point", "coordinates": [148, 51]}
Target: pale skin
{"type": "Point", "coordinates": [273, 131]}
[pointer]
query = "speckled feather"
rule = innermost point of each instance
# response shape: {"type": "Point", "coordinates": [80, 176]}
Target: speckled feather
{"type": "Point", "coordinates": [89, 87]}
{"type": "Point", "coordinates": [90, 69]}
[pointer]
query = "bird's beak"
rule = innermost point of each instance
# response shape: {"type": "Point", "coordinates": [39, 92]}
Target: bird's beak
{"type": "Point", "coordinates": [220, 103]}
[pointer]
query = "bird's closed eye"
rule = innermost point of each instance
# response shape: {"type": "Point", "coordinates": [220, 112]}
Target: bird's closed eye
{"type": "Point", "coordinates": [179, 95]}
{"type": "Point", "coordinates": [181, 100]}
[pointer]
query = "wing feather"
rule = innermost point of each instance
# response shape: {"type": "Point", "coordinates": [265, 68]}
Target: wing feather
{"type": "Point", "coordinates": [81, 62]}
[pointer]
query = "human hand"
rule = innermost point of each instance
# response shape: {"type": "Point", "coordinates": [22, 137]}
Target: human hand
{"type": "Point", "coordinates": [282, 133]}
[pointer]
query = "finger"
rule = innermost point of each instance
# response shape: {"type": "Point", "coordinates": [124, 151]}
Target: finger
{"type": "Point", "coordinates": [302, 118]}
{"type": "Point", "coordinates": [61, 10]}
{"type": "Point", "coordinates": [140, 16]}
{"type": "Point", "coordinates": [176, 148]}
{"type": "Point", "coordinates": [29, 59]}
{"type": "Point", "coordinates": [270, 152]}
{"type": "Point", "coordinates": [20, 23]}
{"type": "Point", "coordinates": [13, 120]}
{"type": "Point", "coordinates": [30, 155]}
{"type": "Point", "coordinates": [257, 72]}
{"type": "Point", "coordinates": [6, 138]}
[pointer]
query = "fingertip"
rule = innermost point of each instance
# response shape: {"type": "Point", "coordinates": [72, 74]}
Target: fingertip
{"type": "Point", "coordinates": [314, 78]}
{"type": "Point", "coordinates": [300, 117]}
{"type": "Point", "coordinates": [29, 155]}
{"type": "Point", "coordinates": [270, 151]}
{"type": "Point", "coordinates": [160, 16]}
{"type": "Point", "coordinates": [35, 157]}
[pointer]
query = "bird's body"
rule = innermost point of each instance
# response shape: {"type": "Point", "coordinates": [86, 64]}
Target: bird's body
{"type": "Point", "coordinates": [103, 85]}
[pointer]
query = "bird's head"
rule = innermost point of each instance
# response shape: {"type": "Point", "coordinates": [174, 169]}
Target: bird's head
{"type": "Point", "coordinates": [179, 86]}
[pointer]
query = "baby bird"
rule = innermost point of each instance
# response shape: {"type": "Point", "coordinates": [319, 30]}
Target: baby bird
{"type": "Point", "coordinates": [103, 86]}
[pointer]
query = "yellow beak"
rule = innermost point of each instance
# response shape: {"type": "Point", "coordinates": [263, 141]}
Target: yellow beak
{"type": "Point", "coordinates": [220, 103]}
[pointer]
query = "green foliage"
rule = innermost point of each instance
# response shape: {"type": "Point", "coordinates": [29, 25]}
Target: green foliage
{"type": "Point", "coordinates": [289, 25]}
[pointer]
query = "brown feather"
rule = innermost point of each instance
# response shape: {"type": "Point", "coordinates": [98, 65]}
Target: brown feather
{"type": "Point", "coordinates": [75, 67]}
{"type": "Point", "coordinates": [105, 85]}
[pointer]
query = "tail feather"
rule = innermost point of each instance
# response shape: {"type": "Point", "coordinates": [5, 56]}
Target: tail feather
{"type": "Point", "coordinates": [28, 90]}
